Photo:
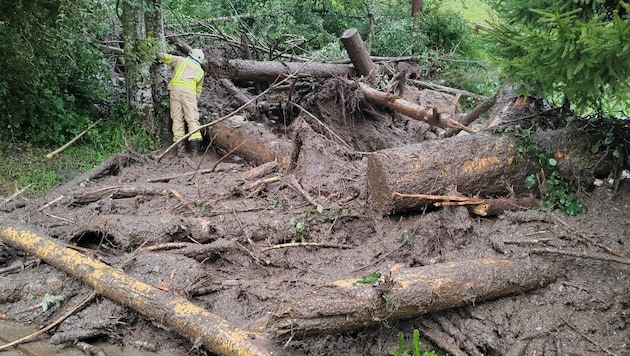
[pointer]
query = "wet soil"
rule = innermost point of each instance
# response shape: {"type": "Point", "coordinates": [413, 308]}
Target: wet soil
{"type": "Point", "coordinates": [235, 256]}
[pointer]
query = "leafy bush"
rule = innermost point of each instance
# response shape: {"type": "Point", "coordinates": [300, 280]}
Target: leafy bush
{"type": "Point", "coordinates": [53, 73]}
{"type": "Point", "coordinates": [433, 29]}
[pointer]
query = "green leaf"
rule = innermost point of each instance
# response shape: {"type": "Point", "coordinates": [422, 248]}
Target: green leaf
{"type": "Point", "coordinates": [367, 279]}
{"type": "Point", "coordinates": [553, 162]}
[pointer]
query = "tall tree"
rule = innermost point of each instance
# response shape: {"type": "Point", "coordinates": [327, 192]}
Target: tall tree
{"type": "Point", "coordinates": [155, 29]}
{"type": "Point", "coordinates": [137, 68]}
{"type": "Point", "coordinates": [578, 48]}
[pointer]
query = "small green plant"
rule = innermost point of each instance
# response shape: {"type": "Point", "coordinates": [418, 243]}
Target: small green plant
{"type": "Point", "coordinates": [301, 231]}
{"type": "Point", "coordinates": [555, 189]}
{"type": "Point", "coordinates": [50, 299]}
{"type": "Point", "coordinates": [406, 238]}
{"type": "Point", "coordinates": [278, 201]}
{"type": "Point", "coordinates": [368, 278]}
{"type": "Point", "coordinates": [402, 350]}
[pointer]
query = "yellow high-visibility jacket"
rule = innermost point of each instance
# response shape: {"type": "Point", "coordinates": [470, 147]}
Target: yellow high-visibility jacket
{"type": "Point", "coordinates": [187, 73]}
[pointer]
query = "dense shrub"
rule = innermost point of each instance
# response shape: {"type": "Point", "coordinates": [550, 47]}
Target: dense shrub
{"type": "Point", "coordinates": [53, 73]}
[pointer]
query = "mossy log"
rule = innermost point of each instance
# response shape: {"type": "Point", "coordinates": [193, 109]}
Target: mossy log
{"type": "Point", "coordinates": [175, 312]}
{"type": "Point", "coordinates": [400, 293]}
{"type": "Point", "coordinates": [482, 165]}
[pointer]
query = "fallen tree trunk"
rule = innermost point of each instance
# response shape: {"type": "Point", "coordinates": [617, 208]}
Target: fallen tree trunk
{"type": "Point", "coordinates": [473, 165]}
{"type": "Point", "coordinates": [130, 232]}
{"type": "Point", "coordinates": [414, 111]}
{"type": "Point", "coordinates": [250, 141]}
{"type": "Point", "coordinates": [345, 305]}
{"type": "Point", "coordinates": [177, 313]}
{"type": "Point", "coordinates": [240, 69]}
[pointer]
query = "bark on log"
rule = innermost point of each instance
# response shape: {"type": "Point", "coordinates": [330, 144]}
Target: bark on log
{"type": "Point", "coordinates": [345, 305]}
{"type": "Point", "coordinates": [430, 116]}
{"type": "Point", "coordinates": [250, 141]}
{"type": "Point", "coordinates": [473, 165]}
{"type": "Point", "coordinates": [116, 192]}
{"type": "Point", "coordinates": [177, 313]}
{"type": "Point", "coordinates": [239, 69]}
{"type": "Point", "coordinates": [357, 51]}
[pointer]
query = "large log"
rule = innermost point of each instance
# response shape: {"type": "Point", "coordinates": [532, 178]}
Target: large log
{"type": "Point", "coordinates": [345, 305]}
{"type": "Point", "coordinates": [251, 141]}
{"type": "Point", "coordinates": [240, 69]}
{"type": "Point", "coordinates": [174, 311]}
{"type": "Point", "coordinates": [473, 165]}
{"type": "Point", "coordinates": [357, 51]}
{"type": "Point", "coordinates": [430, 116]}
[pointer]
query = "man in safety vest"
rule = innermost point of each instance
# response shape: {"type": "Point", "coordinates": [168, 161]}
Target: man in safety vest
{"type": "Point", "coordinates": [185, 89]}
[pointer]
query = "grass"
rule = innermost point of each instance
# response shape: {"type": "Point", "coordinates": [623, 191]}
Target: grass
{"type": "Point", "coordinates": [27, 165]}
{"type": "Point", "coordinates": [475, 11]}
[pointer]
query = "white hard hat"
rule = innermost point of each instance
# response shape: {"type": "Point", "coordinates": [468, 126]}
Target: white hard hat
{"type": "Point", "coordinates": [197, 54]}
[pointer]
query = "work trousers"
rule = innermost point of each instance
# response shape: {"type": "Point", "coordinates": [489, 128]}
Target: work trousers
{"type": "Point", "coordinates": [184, 109]}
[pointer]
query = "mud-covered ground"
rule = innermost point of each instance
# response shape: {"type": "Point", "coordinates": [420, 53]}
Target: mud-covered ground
{"type": "Point", "coordinates": [235, 258]}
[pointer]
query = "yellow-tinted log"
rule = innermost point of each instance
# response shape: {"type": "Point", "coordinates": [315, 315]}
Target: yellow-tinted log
{"type": "Point", "coordinates": [176, 312]}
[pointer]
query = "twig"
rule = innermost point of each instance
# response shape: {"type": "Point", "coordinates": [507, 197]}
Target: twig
{"type": "Point", "coordinates": [60, 149]}
{"type": "Point", "coordinates": [448, 90]}
{"type": "Point", "coordinates": [440, 338]}
{"type": "Point", "coordinates": [587, 338]}
{"type": "Point", "coordinates": [592, 256]}
{"type": "Point", "coordinates": [321, 123]}
{"type": "Point", "coordinates": [202, 158]}
{"type": "Point", "coordinates": [288, 77]}
{"type": "Point", "coordinates": [14, 195]}
{"type": "Point", "coordinates": [54, 323]}
{"type": "Point", "coordinates": [583, 236]}
{"type": "Point", "coordinates": [167, 246]}
{"type": "Point", "coordinates": [466, 200]}
{"type": "Point", "coordinates": [380, 258]}
{"type": "Point", "coordinates": [51, 203]}
{"type": "Point", "coordinates": [305, 244]}
{"type": "Point", "coordinates": [301, 190]}
{"type": "Point", "coordinates": [181, 199]}
{"type": "Point", "coordinates": [259, 182]}
{"type": "Point", "coordinates": [227, 155]}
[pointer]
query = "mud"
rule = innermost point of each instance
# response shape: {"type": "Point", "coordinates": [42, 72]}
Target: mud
{"type": "Point", "coordinates": [233, 263]}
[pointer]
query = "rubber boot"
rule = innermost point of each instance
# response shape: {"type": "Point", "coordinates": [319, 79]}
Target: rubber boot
{"type": "Point", "coordinates": [195, 147]}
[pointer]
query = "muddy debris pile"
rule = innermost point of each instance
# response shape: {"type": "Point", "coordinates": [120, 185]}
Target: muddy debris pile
{"type": "Point", "coordinates": [327, 216]}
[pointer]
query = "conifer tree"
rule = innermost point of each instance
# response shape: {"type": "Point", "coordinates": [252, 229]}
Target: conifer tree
{"type": "Point", "coordinates": [577, 48]}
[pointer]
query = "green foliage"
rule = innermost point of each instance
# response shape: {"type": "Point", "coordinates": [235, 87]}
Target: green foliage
{"type": "Point", "coordinates": [578, 48]}
{"type": "Point", "coordinates": [433, 29]}
{"type": "Point", "coordinates": [368, 279]}
{"type": "Point", "coordinates": [555, 190]}
{"type": "Point", "coordinates": [51, 300]}
{"type": "Point", "coordinates": [300, 232]}
{"type": "Point", "coordinates": [403, 350]}
{"type": "Point", "coordinates": [23, 164]}
{"type": "Point", "coordinates": [53, 73]}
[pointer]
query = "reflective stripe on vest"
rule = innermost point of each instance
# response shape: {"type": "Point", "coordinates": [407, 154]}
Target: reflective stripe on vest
{"type": "Point", "coordinates": [179, 82]}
